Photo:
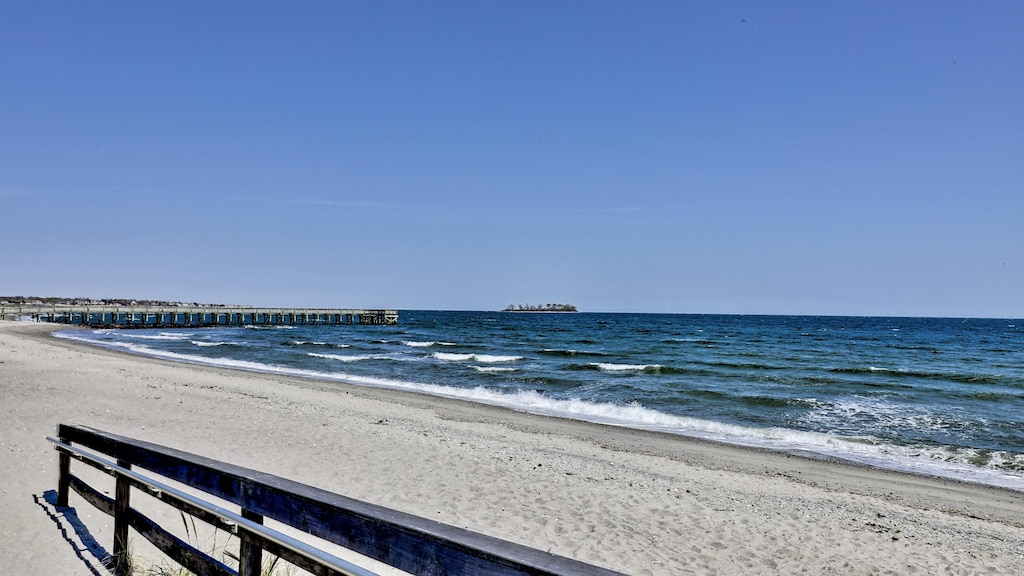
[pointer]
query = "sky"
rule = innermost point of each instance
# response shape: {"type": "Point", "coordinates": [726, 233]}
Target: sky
{"type": "Point", "coordinates": [840, 158]}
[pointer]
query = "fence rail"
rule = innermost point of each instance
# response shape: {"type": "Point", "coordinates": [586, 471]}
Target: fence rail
{"type": "Point", "coordinates": [410, 543]}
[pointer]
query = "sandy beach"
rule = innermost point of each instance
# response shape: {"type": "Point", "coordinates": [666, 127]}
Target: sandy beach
{"type": "Point", "coordinates": [632, 501]}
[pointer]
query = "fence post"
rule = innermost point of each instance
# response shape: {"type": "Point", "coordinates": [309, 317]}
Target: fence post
{"type": "Point", "coordinates": [122, 493]}
{"type": "Point", "coordinates": [63, 474]}
{"type": "Point", "coordinates": [250, 556]}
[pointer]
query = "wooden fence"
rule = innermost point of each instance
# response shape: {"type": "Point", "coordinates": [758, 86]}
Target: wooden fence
{"type": "Point", "coordinates": [410, 543]}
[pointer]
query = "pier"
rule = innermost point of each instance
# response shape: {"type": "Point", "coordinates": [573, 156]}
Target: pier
{"type": "Point", "coordinates": [195, 317]}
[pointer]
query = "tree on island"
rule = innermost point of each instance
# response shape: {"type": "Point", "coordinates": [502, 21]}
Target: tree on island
{"type": "Point", "coordinates": [540, 308]}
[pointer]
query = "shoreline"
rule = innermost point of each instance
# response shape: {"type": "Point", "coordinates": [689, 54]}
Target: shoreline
{"type": "Point", "coordinates": [637, 501]}
{"type": "Point", "coordinates": [929, 462]}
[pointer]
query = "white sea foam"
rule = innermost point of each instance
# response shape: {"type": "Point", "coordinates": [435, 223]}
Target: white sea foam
{"type": "Point", "coordinates": [936, 461]}
{"type": "Point", "coordinates": [162, 336]}
{"type": "Point", "coordinates": [418, 344]}
{"type": "Point", "coordinates": [452, 357]}
{"type": "Point", "coordinates": [490, 359]}
{"type": "Point", "coordinates": [308, 343]}
{"type": "Point", "coordinates": [886, 414]}
{"type": "Point", "coordinates": [482, 358]}
{"type": "Point", "coordinates": [622, 367]}
{"type": "Point", "coordinates": [494, 369]}
{"type": "Point", "coordinates": [208, 343]}
{"type": "Point", "coordinates": [343, 357]}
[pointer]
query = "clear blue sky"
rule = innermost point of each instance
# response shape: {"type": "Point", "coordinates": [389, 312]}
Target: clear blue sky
{"type": "Point", "coordinates": [737, 157]}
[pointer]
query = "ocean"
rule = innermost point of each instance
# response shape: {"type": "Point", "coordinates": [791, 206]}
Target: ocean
{"type": "Point", "coordinates": [936, 396]}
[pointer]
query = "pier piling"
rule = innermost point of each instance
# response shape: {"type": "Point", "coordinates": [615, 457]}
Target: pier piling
{"type": "Point", "coordinates": [195, 317]}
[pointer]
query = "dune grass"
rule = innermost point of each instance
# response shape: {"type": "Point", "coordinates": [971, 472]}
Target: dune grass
{"type": "Point", "coordinates": [218, 544]}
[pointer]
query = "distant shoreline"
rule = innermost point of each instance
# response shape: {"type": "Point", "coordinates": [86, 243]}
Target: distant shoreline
{"type": "Point", "coordinates": [561, 308]}
{"type": "Point", "coordinates": [543, 311]}
{"type": "Point", "coordinates": [126, 302]}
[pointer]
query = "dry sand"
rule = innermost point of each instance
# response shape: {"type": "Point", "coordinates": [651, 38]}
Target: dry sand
{"type": "Point", "coordinates": [637, 502]}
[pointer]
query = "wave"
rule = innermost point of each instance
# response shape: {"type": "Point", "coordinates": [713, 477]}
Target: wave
{"type": "Point", "coordinates": [996, 468]}
{"type": "Point", "coordinates": [571, 353]}
{"type": "Point", "coordinates": [652, 369]}
{"type": "Point", "coordinates": [962, 464]}
{"type": "Point", "coordinates": [754, 400]}
{"type": "Point", "coordinates": [813, 380]}
{"type": "Point", "coordinates": [999, 350]}
{"type": "Point", "coordinates": [992, 396]}
{"type": "Point", "coordinates": [484, 358]}
{"type": "Point", "coordinates": [776, 402]}
{"type": "Point", "coordinates": [168, 336]}
{"type": "Point", "coordinates": [660, 369]}
{"type": "Point", "coordinates": [887, 416]}
{"type": "Point", "coordinates": [306, 343]}
{"type": "Point", "coordinates": [649, 369]}
{"type": "Point", "coordinates": [930, 349]}
{"type": "Point", "coordinates": [492, 359]}
{"type": "Point", "coordinates": [453, 357]}
{"type": "Point", "coordinates": [494, 369]}
{"type": "Point", "coordinates": [610, 367]}
{"type": "Point", "coordinates": [961, 378]}
{"type": "Point", "coordinates": [740, 365]}
{"type": "Point", "coordinates": [347, 358]}
{"type": "Point", "coordinates": [700, 393]}
{"type": "Point", "coordinates": [414, 344]}
{"type": "Point", "coordinates": [689, 340]}
{"type": "Point", "coordinates": [209, 343]}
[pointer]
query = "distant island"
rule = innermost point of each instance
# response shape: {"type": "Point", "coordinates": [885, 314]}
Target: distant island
{"type": "Point", "coordinates": [540, 308]}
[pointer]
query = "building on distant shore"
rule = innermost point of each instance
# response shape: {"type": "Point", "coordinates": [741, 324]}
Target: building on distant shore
{"type": "Point", "coordinates": [540, 308]}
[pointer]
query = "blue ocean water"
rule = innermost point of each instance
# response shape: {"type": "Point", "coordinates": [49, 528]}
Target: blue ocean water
{"type": "Point", "coordinates": [936, 396]}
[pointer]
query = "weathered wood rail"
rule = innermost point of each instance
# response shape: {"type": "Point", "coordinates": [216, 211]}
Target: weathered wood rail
{"type": "Point", "coordinates": [410, 543]}
{"type": "Point", "coordinates": [202, 316]}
